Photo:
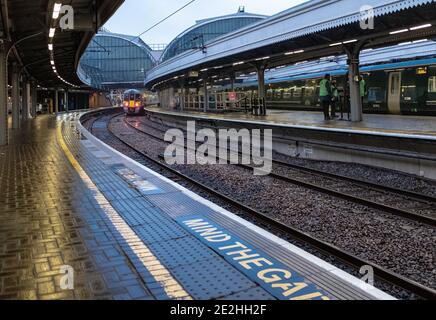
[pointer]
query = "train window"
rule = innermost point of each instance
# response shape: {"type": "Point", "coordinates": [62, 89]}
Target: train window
{"type": "Point", "coordinates": [287, 94]}
{"type": "Point", "coordinates": [408, 93]}
{"type": "Point", "coordinates": [138, 97]}
{"type": "Point", "coordinates": [395, 84]}
{"type": "Point", "coordinates": [298, 92]}
{"type": "Point", "coordinates": [132, 96]}
{"type": "Point", "coordinates": [432, 84]}
{"type": "Point", "coordinates": [376, 94]}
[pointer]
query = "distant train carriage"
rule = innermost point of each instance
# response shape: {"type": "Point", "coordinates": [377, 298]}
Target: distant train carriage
{"type": "Point", "coordinates": [133, 103]}
{"type": "Point", "coordinates": [406, 89]}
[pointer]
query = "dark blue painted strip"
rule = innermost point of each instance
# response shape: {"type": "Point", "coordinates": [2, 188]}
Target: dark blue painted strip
{"type": "Point", "coordinates": [272, 275]}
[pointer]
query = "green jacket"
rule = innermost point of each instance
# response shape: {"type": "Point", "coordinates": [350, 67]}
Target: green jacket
{"type": "Point", "coordinates": [325, 88]}
{"type": "Point", "coordinates": [362, 85]}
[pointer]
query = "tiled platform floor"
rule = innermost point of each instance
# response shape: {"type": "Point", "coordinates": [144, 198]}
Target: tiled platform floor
{"type": "Point", "coordinates": [48, 219]}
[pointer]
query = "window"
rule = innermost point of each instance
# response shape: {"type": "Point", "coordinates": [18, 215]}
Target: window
{"type": "Point", "coordinates": [409, 93]}
{"type": "Point", "coordinates": [376, 94]}
{"type": "Point", "coordinates": [395, 83]}
{"type": "Point", "coordinates": [432, 84]}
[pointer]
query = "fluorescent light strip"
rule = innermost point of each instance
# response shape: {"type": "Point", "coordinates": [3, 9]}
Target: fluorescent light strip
{"type": "Point", "coordinates": [57, 10]}
{"type": "Point", "coordinates": [399, 31]}
{"type": "Point", "coordinates": [52, 32]}
{"type": "Point", "coordinates": [421, 27]}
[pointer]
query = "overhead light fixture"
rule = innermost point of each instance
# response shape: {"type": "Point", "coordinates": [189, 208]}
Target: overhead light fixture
{"type": "Point", "coordinates": [52, 32]}
{"type": "Point", "coordinates": [405, 43]}
{"type": "Point", "coordinates": [57, 10]}
{"type": "Point", "coordinates": [399, 31]}
{"type": "Point", "coordinates": [428, 25]}
{"type": "Point", "coordinates": [238, 63]}
{"type": "Point", "coordinates": [335, 44]}
{"type": "Point", "coordinates": [350, 41]}
{"type": "Point", "coordinates": [50, 47]}
{"type": "Point", "coordinates": [52, 62]}
{"type": "Point", "coordinates": [264, 58]}
{"type": "Point", "coordinates": [419, 41]}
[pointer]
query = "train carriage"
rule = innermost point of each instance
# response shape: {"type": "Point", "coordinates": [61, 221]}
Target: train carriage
{"type": "Point", "coordinates": [134, 102]}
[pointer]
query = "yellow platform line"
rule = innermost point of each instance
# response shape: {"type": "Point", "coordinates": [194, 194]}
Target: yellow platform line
{"type": "Point", "coordinates": [162, 276]}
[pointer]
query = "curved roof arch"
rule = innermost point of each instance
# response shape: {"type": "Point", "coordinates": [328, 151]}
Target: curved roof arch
{"type": "Point", "coordinates": [115, 61]}
{"type": "Point", "coordinates": [208, 29]}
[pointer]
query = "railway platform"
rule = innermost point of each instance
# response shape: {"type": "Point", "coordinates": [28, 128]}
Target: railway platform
{"type": "Point", "coordinates": [79, 220]}
{"type": "Point", "coordinates": [402, 143]}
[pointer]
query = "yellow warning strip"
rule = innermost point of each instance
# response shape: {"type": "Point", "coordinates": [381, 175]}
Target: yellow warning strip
{"type": "Point", "coordinates": [162, 276]}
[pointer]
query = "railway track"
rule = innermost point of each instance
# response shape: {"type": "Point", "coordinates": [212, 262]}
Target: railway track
{"type": "Point", "coordinates": [322, 246]}
{"type": "Point", "coordinates": [349, 189]}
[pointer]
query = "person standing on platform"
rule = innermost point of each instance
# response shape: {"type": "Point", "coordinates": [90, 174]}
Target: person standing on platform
{"type": "Point", "coordinates": [335, 98]}
{"type": "Point", "coordinates": [325, 95]}
{"type": "Point", "coordinates": [362, 87]}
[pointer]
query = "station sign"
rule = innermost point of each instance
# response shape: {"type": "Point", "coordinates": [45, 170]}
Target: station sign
{"type": "Point", "coordinates": [233, 96]}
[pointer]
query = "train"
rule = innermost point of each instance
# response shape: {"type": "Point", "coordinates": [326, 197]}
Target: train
{"type": "Point", "coordinates": [134, 102]}
{"type": "Point", "coordinates": [398, 85]}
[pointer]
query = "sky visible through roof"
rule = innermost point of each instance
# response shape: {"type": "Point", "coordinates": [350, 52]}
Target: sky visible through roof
{"type": "Point", "coordinates": [135, 16]}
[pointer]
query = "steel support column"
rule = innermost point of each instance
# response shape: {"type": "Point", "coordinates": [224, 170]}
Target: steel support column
{"type": "Point", "coordinates": [34, 98]}
{"type": "Point", "coordinates": [206, 95]}
{"type": "Point", "coordinates": [182, 95]}
{"type": "Point", "coordinates": [15, 82]}
{"type": "Point", "coordinates": [261, 87]}
{"type": "Point", "coordinates": [26, 100]}
{"type": "Point", "coordinates": [66, 100]}
{"type": "Point", "coordinates": [356, 103]}
{"type": "Point", "coordinates": [56, 102]}
{"type": "Point", "coordinates": [3, 97]}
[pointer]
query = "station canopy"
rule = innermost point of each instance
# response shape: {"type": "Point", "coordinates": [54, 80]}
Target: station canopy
{"type": "Point", "coordinates": [27, 23]}
{"type": "Point", "coordinates": [315, 29]}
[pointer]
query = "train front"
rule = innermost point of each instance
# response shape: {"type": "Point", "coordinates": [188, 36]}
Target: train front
{"type": "Point", "coordinates": [133, 103]}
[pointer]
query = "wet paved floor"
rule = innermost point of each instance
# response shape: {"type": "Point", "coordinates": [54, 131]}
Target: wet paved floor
{"type": "Point", "coordinates": [410, 125]}
{"type": "Point", "coordinates": [68, 205]}
{"type": "Point", "coordinates": [48, 220]}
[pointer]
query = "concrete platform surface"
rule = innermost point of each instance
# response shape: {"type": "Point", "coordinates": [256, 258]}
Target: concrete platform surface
{"type": "Point", "coordinates": [397, 125]}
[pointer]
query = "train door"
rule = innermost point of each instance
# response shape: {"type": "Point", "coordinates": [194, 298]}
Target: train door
{"type": "Point", "coordinates": [394, 93]}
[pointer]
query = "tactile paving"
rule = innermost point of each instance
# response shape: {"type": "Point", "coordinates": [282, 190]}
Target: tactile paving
{"type": "Point", "coordinates": [179, 204]}
{"type": "Point", "coordinates": [212, 279]}
{"type": "Point", "coordinates": [164, 231]}
{"type": "Point", "coordinates": [250, 295]}
{"type": "Point", "coordinates": [138, 211]}
{"type": "Point", "coordinates": [182, 251]}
